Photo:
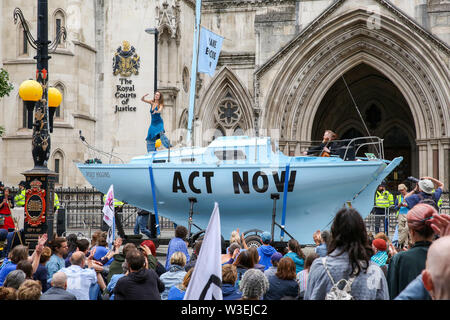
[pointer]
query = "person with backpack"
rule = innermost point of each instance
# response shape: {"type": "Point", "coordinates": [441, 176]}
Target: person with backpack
{"type": "Point", "coordinates": [428, 190]}
{"type": "Point", "coordinates": [348, 264]}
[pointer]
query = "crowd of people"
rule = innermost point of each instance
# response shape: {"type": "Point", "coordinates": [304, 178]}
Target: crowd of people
{"type": "Point", "coordinates": [346, 262]}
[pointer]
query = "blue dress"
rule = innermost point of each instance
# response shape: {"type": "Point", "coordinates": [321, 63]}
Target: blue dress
{"type": "Point", "coordinates": [156, 126]}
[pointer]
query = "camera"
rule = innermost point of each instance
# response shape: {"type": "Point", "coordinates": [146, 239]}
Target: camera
{"type": "Point", "coordinates": [413, 179]}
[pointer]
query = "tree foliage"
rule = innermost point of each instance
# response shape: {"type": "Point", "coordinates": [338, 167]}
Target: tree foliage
{"type": "Point", "coordinates": [5, 85]}
{"type": "Point", "coordinates": [5, 89]}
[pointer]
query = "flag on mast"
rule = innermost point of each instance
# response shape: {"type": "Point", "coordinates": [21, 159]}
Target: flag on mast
{"type": "Point", "coordinates": [209, 51]}
{"type": "Point", "coordinates": [206, 280]}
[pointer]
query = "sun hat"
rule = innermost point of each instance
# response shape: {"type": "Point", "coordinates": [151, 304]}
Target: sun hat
{"type": "Point", "coordinates": [426, 186]}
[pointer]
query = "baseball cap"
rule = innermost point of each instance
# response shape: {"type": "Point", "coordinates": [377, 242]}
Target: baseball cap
{"type": "Point", "coordinates": [426, 186]}
{"type": "Point", "coordinates": [266, 237]}
{"type": "Point", "coordinates": [276, 257]}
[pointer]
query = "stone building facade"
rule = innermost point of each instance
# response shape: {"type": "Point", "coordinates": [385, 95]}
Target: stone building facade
{"type": "Point", "coordinates": [288, 68]}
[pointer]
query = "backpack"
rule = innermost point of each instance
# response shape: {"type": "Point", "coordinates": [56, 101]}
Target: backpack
{"type": "Point", "coordinates": [428, 200]}
{"type": "Point", "coordinates": [335, 293]}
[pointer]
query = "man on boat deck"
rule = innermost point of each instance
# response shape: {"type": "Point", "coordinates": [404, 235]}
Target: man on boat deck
{"type": "Point", "coordinates": [326, 148]}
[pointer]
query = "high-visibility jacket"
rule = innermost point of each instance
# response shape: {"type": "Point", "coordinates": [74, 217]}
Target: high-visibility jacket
{"type": "Point", "coordinates": [19, 199]}
{"type": "Point", "coordinates": [117, 203]}
{"type": "Point", "coordinates": [439, 203]}
{"type": "Point", "coordinates": [56, 202]}
{"type": "Point", "coordinates": [398, 201]}
{"type": "Point", "coordinates": [384, 199]}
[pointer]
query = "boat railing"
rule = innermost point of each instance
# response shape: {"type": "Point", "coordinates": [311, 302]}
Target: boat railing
{"type": "Point", "coordinates": [355, 145]}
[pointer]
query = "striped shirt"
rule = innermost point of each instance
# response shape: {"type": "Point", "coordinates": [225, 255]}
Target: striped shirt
{"type": "Point", "coordinates": [380, 258]}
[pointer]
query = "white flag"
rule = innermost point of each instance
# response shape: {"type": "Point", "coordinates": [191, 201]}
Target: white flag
{"type": "Point", "coordinates": [206, 280]}
{"type": "Point", "coordinates": [108, 208]}
{"type": "Point", "coordinates": [209, 51]}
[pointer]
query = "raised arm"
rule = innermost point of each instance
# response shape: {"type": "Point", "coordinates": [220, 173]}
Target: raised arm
{"type": "Point", "coordinates": [145, 100]}
{"type": "Point", "coordinates": [436, 182]}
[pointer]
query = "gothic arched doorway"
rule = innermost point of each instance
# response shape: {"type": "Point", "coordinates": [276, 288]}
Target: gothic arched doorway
{"type": "Point", "coordinates": [383, 109]}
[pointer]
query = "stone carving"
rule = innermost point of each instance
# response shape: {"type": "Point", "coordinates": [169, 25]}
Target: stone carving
{"type": "Point", "coordinates": [168, 18]}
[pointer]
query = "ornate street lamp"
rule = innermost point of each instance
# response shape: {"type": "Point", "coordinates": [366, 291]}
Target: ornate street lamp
{"type": "Point", "coordinates": [30, 91]}
{"type": "Point", "coordinates": [39, 199]}
{"type": "Point", "coordinates": [155, 32]}
{"type": "Point", "coordinates": [54, 100]}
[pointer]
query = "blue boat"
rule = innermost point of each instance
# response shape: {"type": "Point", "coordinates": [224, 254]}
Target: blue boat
{"type": "Point", "coordinates": [244, 175]}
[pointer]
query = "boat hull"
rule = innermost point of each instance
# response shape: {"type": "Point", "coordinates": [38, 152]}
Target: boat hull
{"type": "Point", "coordinates": [316, 191]}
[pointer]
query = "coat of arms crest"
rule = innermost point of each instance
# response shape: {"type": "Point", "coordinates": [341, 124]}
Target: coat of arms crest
{"type": "Point", "coordinates": [126, 61]}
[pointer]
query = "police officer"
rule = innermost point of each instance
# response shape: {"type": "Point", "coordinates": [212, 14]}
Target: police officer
{"type": "Point", "coordinates": [383, 200]}
{"type": "Point", "coordinates": [55, 203]}
{"type": "Point", "coordinates": [19, 199]}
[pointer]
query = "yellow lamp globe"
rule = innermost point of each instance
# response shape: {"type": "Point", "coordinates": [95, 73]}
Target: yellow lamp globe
{"type": "Point", "coordinates": [30, 90]}
{"type": "Point", "coordinates": [54, 97]}
{"type": "Point", "coordinates": [158, 143]}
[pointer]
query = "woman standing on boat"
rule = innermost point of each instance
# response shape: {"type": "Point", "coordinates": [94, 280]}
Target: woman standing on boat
{"type": "Point", "coordinates": [156, 129]}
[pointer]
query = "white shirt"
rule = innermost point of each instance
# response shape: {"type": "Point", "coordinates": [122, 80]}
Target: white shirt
{"type": "Point", "coordinates": [79, 281]}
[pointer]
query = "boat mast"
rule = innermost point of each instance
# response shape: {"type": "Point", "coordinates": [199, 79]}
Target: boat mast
{"type": "Point", "coordinates": [193, 82]}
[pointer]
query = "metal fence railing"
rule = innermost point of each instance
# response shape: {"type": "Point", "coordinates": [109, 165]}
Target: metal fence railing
{"type": "Point", "coordinates": [83, 210]}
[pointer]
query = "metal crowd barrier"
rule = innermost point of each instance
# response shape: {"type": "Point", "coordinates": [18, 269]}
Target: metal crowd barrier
{"type": "Point", "coordinates": [83, 211]}
{"type": "Point", "coordinates": [389, 220]}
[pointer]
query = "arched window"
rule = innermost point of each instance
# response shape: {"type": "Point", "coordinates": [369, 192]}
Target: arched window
{"type": "Point", "coordinates": [58, 166]}
{"type": "Point", "coordinates": [238, 131]}
{"type": "Point", "coordinates": [229, 115]}
{"type": "Point", "coordinates": [219, 132]}
{"type": "Point", "coordinates": [59, 112]}
{"type": "Point", "coordinates": [23, 48]}
{"type": "Point", "coordinates": [25, 116]}
{"type": "Point", "coordinates": [59, 19]}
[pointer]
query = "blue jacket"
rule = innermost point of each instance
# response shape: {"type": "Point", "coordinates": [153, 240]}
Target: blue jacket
{"type": "Point", "coordinates": [5, 269]}
{"type": "Point", "coordinates": [176, 294]}
{"type": "Point", "coordinates": [414, 291]}
{"type": "Point", "coordinates": [299, 262]}
{"type": "Point", "coordinates": [41, 275]}
{"type": "Point", "coordinates": [279, 288]}
{"type": "Point", "coordinates": [266, 252]}
{"type": "Point", "coordinates": [230, 292]}
{"type": "Point", "coordinates": [171, 278]}
{"type": "Point", "coordinates": [176, 244]}
{"type": "Point", "coordinates": [321, 250]}
{"type": "Point", "coordinates": [54, 265]}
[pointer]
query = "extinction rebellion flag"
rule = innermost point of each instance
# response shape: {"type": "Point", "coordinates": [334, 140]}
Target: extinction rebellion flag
{"type": "Point", "coordinates": [208, 51]}
{"type": "Point", "coordinates": [206, 280]}
{"type": "Point", "coordinates": [108, 208]}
